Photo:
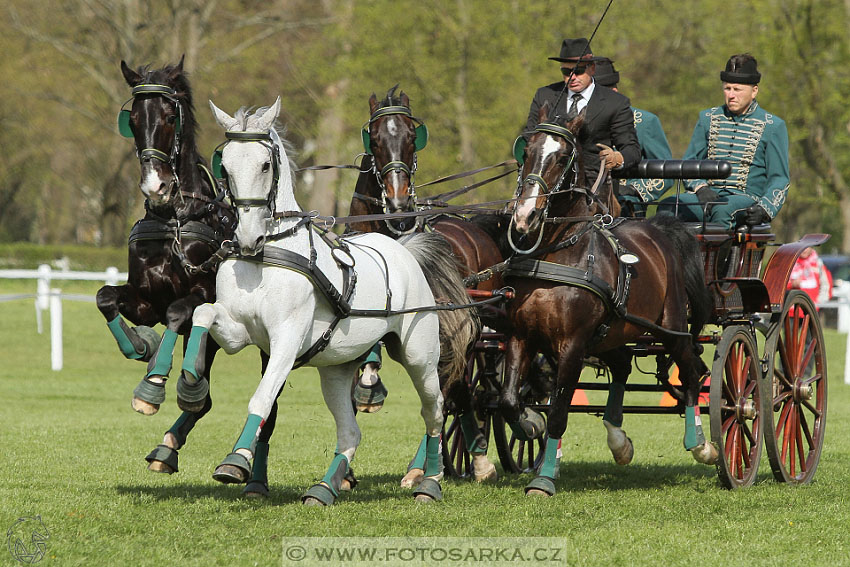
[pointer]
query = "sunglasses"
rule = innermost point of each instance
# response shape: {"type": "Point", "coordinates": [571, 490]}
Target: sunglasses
{"type": "Point", "coordinates": [577, 70]}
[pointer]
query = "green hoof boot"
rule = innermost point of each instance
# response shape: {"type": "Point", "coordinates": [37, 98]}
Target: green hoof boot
{"type": "Point", "coordinates": [256, 489]}
{"type": "Point", "coordinates": [532, 423]}
{"type": "Point", "coordinates": [541, 486]}
{"type": "Point", "coordinates": [369, 399]}
{"type": "Point", "coordinates": [234, 469]}
{"type": "Point", "coordinates": [148, 396]}
{"type": "Point", "coordinates": [191, 397]}
{"type": "Point", "coordinates": [151, 339]}
{"type": "Point", "coordinates": [428, 491]}
{"type": "Point", "coordinates": [318, 495]}
{"type": "Point", "coordinates": [162, 459]}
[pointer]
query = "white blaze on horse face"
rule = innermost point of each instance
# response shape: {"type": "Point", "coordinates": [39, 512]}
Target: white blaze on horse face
{"type": "Point", "coordinates": [153, 185]}
{"type": "Point", "coordinates": [528, 204]}
{"type": "Point", "coordinates": [392, 126]}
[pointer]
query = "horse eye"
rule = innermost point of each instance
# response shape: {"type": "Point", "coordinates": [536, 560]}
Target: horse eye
{"type": "Point", "coordinates": [266, 166]}
{"type": "Point", "coordinates": [171, 119]}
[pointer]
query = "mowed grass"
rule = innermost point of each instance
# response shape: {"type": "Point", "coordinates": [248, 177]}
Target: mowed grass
{"type": "Point", "coordinates": [73, 452]}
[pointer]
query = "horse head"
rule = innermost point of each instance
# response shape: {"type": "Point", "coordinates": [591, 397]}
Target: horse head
{"type": "Point", "coordinates": [550, 163]}
{"type": "Point", "coordinates": [161, 122]}
{"type": "Point", "coordinates": [393, 136]}
{"type": "Point", "coordinates": [257, 171]}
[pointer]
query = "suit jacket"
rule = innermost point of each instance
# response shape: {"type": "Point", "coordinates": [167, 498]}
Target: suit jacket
{"type": "Point", "coordinates": [608, 120]}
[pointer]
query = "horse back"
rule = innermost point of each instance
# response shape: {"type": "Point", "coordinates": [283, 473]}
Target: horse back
{"type": "Point", "coordinates": [474, 249]}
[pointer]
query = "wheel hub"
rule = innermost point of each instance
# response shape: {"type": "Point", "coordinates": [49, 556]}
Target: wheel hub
{"type": "Point", "coordinates": [746, 410]}
{"type": "Point", "coordinates": [803, 392]}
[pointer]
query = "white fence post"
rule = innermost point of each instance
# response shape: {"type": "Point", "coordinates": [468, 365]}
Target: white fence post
{"type": "Point", "coordinates": [42, 294]}
{"type": "Point", "coordinates": [56, 329]}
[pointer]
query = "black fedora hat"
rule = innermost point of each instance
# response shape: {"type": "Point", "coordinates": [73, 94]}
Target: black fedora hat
{"type": "Point", "coordinates": [741, 69]}
{"type": "Point", "coordinates": [605, 74]}
{"type": "Point", "coordinates": [573, 50]}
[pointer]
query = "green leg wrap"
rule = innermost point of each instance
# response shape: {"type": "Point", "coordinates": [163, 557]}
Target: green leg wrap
{"type": "Point", "coordinates": [373, 356]}
{"type": "Point", "coordinates": [250, 433]}
{"type": "Point", "coordinates": [336, 472]}
{"type": "Point", "coordinates": [418, 461]}
{"type": "Point", "coordinates": [614, 406]}
{"type": "Point", "coordinates": [192, 363]}
{"type": "Point", "coordinates": [475, 442]}
{"type": "Point", "coordinates": [433, 457]}
{"type": "Point", "coordinates": [693, 428]}
{"type": "Point", "coordinates": [129, 343]}
{"type": "Point", "coordinates": [181, 428]}
{"type": "Point", "coordinates": [259, 472]}
{"type": "Point", "coordinates": [551, 459]}
{"type": "Point", "coordinates": [160, 364]}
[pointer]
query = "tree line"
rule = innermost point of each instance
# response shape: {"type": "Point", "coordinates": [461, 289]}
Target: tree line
{"type": "Point", "coordinates": [470, 68]}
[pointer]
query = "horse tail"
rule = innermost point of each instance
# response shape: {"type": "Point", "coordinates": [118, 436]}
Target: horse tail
{"type": "Point", "coordinates": [459, 328]}
{"type": "Point", "coordinates": [687, 248]}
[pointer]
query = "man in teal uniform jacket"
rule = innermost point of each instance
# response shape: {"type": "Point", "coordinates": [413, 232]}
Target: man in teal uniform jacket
{"type": "Point", "coordinates": [753, 140]}
{"type": "Point", "coordinates": [634, 193]}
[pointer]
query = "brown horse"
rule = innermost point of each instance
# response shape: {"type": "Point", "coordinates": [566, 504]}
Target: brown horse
{"type": "Point", "coordinates": [386, 185]}
{"type": "Point", "coordinates": [171, 268]}
{"type": "Point", "coordinates": [588, 284]}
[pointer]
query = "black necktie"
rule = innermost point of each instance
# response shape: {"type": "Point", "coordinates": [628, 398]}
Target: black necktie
{"type": "Point", "coordinates": [573, 111]}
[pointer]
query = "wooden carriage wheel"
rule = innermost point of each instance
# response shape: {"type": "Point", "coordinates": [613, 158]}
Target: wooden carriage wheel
{"type": "Point", "coordinates": [795, 391]}
{"type": "Point", "coordinates": [736, 424]}
{"type": "Point", "coordinates": [457, 460]}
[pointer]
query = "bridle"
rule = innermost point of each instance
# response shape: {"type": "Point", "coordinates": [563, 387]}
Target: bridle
{"type": "Point", "coordinates": [126, 130]}
{"type": "Point", "coordinates": [420, 140]}
{"type": "Point", "coordinates": [536, 177]}
{"type": "Point", "coordinates": [271, 144]}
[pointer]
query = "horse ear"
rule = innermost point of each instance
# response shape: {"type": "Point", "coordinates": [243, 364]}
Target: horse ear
{"type": "Point", "coordinates": [179, 68]}
{"type": "Point", "coordinates": [224, 119]}
{"type": "Point", "coordinates": [405, 100]}
{"type": "Point", "coordinates": [130, 76]}
{"type": "Point", "coordinates": [373, 103]}
{"type": "Point", "coordinates": [543, 113]}
{"type": "Point", "coordinates": [266, 118]}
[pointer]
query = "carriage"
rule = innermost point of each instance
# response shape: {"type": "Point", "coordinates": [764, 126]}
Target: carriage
{"type": "Point", "coordinates": [768, 377]}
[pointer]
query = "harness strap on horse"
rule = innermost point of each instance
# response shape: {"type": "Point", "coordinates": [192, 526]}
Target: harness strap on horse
{"type": "Point", "coordinates": [158, 230]}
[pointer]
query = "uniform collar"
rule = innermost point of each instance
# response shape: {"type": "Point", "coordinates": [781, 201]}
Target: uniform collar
{"type": "Point", "coordinates": [752, 108]}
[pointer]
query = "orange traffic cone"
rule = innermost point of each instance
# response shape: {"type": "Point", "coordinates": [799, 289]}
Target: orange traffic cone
{"type": "Point", "coordinates": [580, 398]}
{"type": "Point", "coordinates": [668, 401]}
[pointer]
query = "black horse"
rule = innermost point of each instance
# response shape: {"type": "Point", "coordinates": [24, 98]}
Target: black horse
{"type": "Point", "coordinates": [172, 253]}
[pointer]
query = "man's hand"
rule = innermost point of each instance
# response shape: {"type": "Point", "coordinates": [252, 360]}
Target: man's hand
{"type": "Point", "coordinates": [706, 194]}
{"type": "Point", "coordinates": [756, 215]}
{"type": "Point", "coordinates": [612, 157]}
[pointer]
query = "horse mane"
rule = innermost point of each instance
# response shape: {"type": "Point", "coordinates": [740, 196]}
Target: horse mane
{"type": "Point", "coordinates": [245, 113]}
{"type": "Point", "coordinates": [392, 99]}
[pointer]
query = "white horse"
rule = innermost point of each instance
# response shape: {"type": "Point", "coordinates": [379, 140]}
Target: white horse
{"type": "Point", "coordinates": [288, 290]}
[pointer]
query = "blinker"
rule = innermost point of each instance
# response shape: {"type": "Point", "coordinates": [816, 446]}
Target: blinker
{"type": "Point", "coordinates": [519, 149]}
{"type": "Point", "coordinates": [419, 142]}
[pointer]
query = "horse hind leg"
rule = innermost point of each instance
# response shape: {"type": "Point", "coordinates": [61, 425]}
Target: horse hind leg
{"type": "Point", "coordinates": [483, 470]}
{"type": "Point", "coordinates": [164, 457]}
{"type": "Point", "coordinates": [690, 366]}
{"type": "Point", "coordinates": [619, 361]}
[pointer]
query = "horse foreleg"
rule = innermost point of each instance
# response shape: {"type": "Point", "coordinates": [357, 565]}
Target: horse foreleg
{"type": "Point", "coordinates": [569, 370]}
{"type": "Point", "coordinates": [526, 424]}
{"type": "Point", "coordinates": [619, 361]}
{"type": "Point", "coordinates": [336, 390]}
{"type": "Point", "coordinates": [135, 343]}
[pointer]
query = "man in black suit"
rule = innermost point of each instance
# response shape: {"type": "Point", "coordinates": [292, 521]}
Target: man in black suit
{"type": "Point", "coordinates": [608, 130]}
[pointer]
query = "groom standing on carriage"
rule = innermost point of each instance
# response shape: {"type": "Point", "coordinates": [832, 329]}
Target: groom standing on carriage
{"type": "Point", "coordinates": [608, 130]}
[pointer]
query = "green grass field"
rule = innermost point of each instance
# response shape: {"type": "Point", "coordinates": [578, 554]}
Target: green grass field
{"type": "Point", "coordinates": [73, 452]}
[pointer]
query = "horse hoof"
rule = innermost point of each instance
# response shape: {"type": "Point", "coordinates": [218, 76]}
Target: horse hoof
{"type": "Point", "coordinates": [255, 489]}
{"type": "Point", "coordinates": [706, 453]}
{"type": "Point", "coordinates": [488, 474]}
{"type": "Point", "coordinates": [429, 490]}
{"type": "Point", "coordinates": [160, 467]}
{"type": "Point", "coordinates": [191, 407]}
{"type": "Point", "coordinates": [144, 407]}
{"type": "Point", "coordinates": [310, 501]}
{"type": "Point", "coordinates": [423, 498]}
{"type": "Point", "coordinates": [621, 446]}
{"type": "Point", "coordinates": [536, 492]}
{"type": "Point", "coordinates": [412, 478]}
{"type": "Point", "coordinates": [369, 399]}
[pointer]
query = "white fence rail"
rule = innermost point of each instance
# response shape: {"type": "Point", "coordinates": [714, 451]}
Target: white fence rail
{"type": "Point", "coordinates": [50, 299]}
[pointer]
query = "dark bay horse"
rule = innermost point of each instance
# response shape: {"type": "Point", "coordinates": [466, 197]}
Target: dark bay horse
{"type": "Point", "coordinates": [589, 285]}
{"type": "Point", "coordinates": [386, 185]}
{"type": "Point", "coordinates": [172, 264]}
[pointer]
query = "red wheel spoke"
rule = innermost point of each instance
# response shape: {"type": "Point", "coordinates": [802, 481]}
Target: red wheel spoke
{"type": "Point", "coordinates": [815, 411]}
{"type": "Point", "coordinates": [783, 416]}
{"type": "Point", "coordinates": [727, 423]}
{"type": "Point", "coordinates": [745, 449]}
{"type": "Point", "coordinates": [804, 426]}
{"type": "Point", "coordinates": [791, 430]}
{"type": "Point", "coordinates": [749, 434]}
{"type": "Point", "coordinates": [807, 357]}
{"type": "Point", "coordinates": [786, 364]}
{"type": "Point", "coordinates": [785, 427]}
{"type": "Point", "coordinates": [731, 442]}
{"type": "Point", "coordinates": [751, 387]}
